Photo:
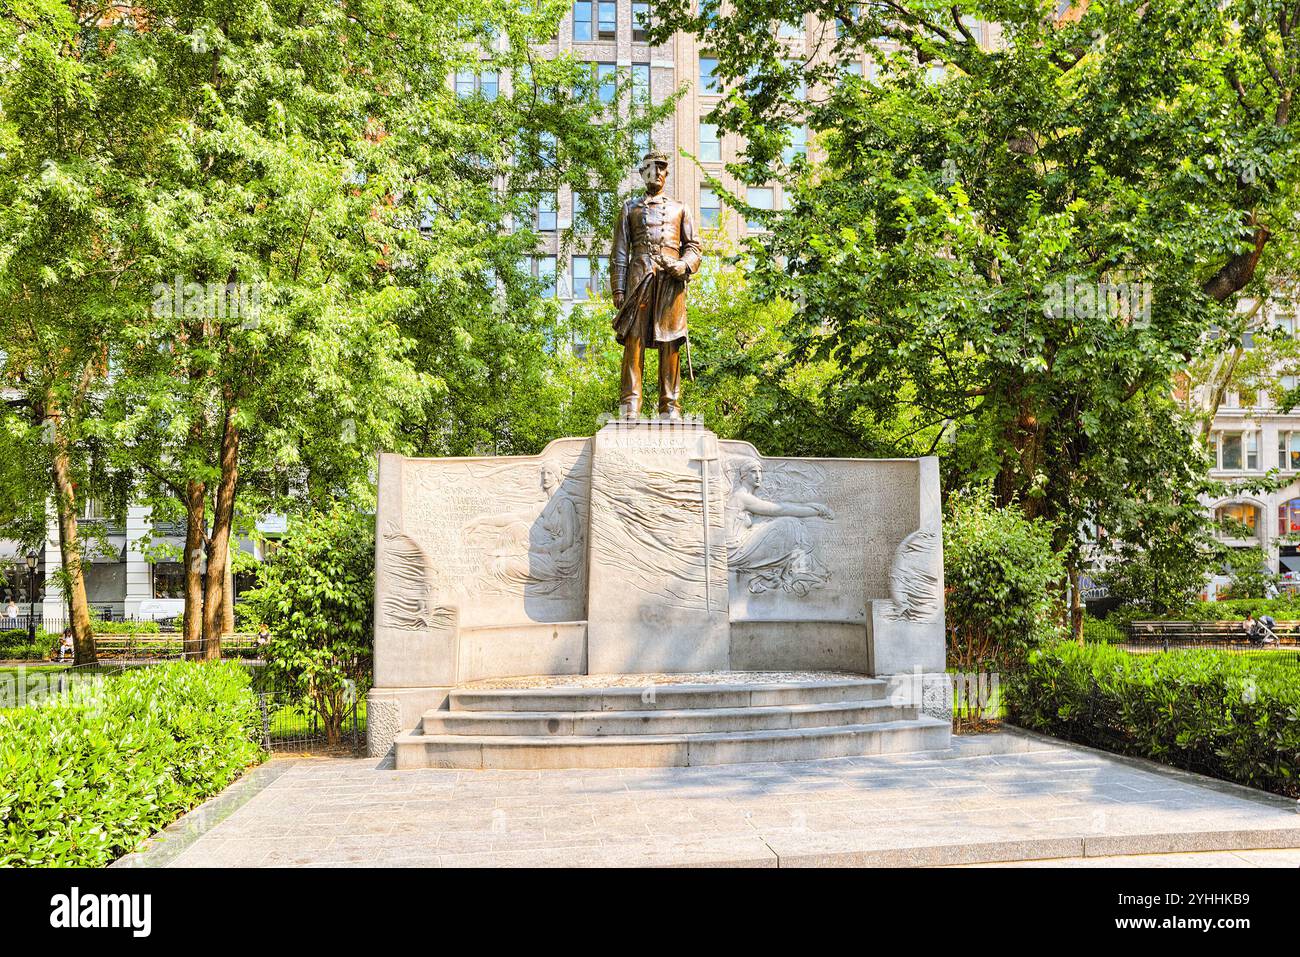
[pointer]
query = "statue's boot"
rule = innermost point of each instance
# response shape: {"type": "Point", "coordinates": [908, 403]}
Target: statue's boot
{"type": "Point", "coordinates": [629, 400]}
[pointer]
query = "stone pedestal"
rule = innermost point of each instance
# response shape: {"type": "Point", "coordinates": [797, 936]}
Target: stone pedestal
{"type": "Point", "coordinates": [651, 548]}
{"type": "Point", "coordinates": [657, 599]}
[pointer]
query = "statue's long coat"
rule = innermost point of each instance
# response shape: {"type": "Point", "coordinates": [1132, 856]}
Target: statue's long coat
{"type": "Point", "coordinates": [654, 302]}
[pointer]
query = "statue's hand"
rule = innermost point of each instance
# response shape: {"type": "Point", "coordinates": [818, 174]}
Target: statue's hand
{"type": "Point", "coordinates": [679, 269]}
{"type": "Point", "coordinates": [618, 300]}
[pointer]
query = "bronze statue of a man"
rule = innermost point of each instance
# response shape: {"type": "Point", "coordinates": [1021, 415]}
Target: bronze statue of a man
{"type": "Point", "coordinates": [656, 251]}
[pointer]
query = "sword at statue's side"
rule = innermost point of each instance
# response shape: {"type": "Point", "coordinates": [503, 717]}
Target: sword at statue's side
{"type": "Point", "coordinates": [704, 458]}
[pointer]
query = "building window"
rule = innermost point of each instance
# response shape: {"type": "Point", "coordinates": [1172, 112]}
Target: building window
{"type": "Point", "coordinates": [1288, 517]}
{"type": "Point", "coordinates": [1239, 450]}
{"type": "Point", "coordinates": [589, 273]}
{"type": "Point", "coordinates": [709, 75]}
{"type": "Point", "coordinates": [544, 213]}
{"type": "Point", "coordinates": [169, 580]}
{"type": "Point", "coordinates": [543, 270]}
{"type": "Point", "coordinates": [607, 20]}
{"type": "Point", "coordinates": [760, 197]}
{"type": "Point", "coordinates": [586, 213]}
{"type": "Point", "coordinates": [428, 216]}
{"type": "Point", "coordinates": [92, 510]}
{"type": "Point", "coordinates": [640, 20]}
{"type": "Point", "coordinates": [851, 68]}
{"type": "Point", "coordinates": [1288, 451]}
{"type": "Point", "coordinates": [710, 209]}
{"type": "Point", "coordinates": [841, 25]}
{"type": "Point", "coordinates": [590, 209]}
{"type": "Point", "coordinates": [641, 140]}
{"type": "Point", "coordinates": [798, 145]}
{"type": "Point", "coordinates": [641, 83]}
{"type": "Point", "coordinates": [582, 20]}
{"type": "Point", "coordinates": [789, 30]}
{"type": "Point", "coordinates": [1238, 519]}
{"type": "Point", "coordinates": [485, 83]}
{"type": "Point", "coordinates": [710, 143]}
{"type": "Point", "coordinates": [801, 86]}
{"type": "Point", "coordinates": [607, 81]}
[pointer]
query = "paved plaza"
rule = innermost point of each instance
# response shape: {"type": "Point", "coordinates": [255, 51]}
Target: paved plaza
{"type": "Point", "coordinates": [993, 798]}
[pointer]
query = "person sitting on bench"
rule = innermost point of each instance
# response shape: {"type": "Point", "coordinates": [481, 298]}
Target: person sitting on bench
{"type": "Point", "coordinates": [1260, 630]}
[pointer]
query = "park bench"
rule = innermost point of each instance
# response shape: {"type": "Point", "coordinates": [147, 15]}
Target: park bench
{"type": "Point", "coordinates": [1205, 632]}
{"type": "Point", "coordinates": [152, 645]}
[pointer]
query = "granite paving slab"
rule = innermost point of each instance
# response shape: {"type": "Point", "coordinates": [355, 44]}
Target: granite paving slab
{"type": "Point", "coordinates": [1004, 797]}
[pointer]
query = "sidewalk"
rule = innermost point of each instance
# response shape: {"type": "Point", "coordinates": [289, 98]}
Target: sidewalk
{"type": "Point", "coordinates": [1046, 801]}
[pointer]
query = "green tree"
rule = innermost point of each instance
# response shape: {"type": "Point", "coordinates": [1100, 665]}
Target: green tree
{"type": "Point", "coordinates": [316, 595]}
{"type": "Point", "coordinates": [1019, 245]}
{"type": "Point", "coordinates": [72, 234]}
{"type": "Point", "coordinates": [342, 176]}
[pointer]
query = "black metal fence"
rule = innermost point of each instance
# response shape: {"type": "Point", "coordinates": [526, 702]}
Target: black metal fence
{"type": "Point", "coordinates": [287, 720]}
{"type": "Point", "coordinates": [289, 723]}
{"type": "Point", "coordinates": [1272, 654]}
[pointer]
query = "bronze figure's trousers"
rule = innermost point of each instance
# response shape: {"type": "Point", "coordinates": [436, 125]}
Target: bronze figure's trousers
{"type": "Point", "coordinates": [670, 376]}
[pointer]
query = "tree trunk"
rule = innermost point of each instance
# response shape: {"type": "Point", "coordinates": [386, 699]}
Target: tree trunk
{"type": "Point", "coordinates": [223, 515]}
{"type": "Point", "coordinates": [228, 602]}
{"type": "Point", "coordinates": [195, 509]}
{"type": "Point", "coordinates": [83, 638]}
{"type": "Point", "coordinates": [1076, 604]}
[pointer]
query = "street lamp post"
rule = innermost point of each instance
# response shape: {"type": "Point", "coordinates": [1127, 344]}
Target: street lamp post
{"type": "Point", "coordinates": [32, 559]}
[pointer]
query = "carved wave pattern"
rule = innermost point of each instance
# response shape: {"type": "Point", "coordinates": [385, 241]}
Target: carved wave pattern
{"type": "Point", "coordinates": [913, 585]}
{"type": "Point", "coordinates": [652, 522]}
{"type": "Point", "coordinates": [408, 598]}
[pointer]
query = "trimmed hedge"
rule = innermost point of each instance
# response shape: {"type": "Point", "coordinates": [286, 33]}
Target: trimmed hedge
{"type": "Point", "coordinates": [14, 644]}
{"type": "Point", "coordinates": [101, 627]}
{"type": "Point", "coordinates": [85, 778]}
{"type": "Point", "coordinates": [1234, 717]}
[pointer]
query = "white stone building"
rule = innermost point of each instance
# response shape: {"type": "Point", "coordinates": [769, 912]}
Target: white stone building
{"type": "Point", "coordinates": [1249, 439]}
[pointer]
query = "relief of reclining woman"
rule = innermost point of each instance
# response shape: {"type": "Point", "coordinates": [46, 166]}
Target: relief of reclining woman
{"type": "Point", "coordinates": [768, 541]}
{"type": "Point", "coordinates": [537, 556]}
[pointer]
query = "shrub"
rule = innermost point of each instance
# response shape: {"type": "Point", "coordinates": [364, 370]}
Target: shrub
{"type": "Point", "coordinates": [85, 778]}
{"type": "Point", "coordinates": [14, 644]}
{"type": "Point", "coordinates": [316, 595]}
{"type": "Point", "coordinates": [101, 627]}
{"type": "Point", "coordinates": [1001, 572]}
{"type": "Point", "coordinates": [1234, 717]}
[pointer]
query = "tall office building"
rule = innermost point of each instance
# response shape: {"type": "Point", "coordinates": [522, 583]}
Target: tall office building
{"type": "Point", "coordinates": [610, 35]}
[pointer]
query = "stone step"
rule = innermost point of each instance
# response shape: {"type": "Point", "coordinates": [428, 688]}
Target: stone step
{"type": "Point", "coordinates": [663, 721]}
{"type": "Point", "coordinates": [414, 750]}
{"type": "Point", "coordinates": [667, 697]}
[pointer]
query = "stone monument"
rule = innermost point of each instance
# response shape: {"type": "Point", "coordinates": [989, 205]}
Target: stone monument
{"type": "Point", "coordinates": [654, 595]}
{"type": "Point", "coordinates": [652, 548]}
